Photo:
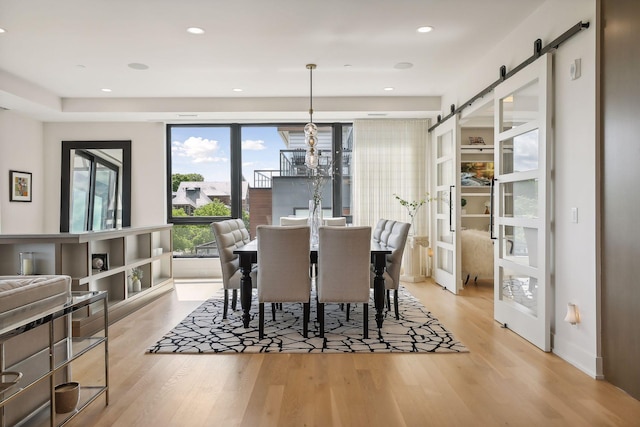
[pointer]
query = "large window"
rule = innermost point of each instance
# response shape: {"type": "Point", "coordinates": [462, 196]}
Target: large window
{"type": "Point", "coordinates": [253, 172]}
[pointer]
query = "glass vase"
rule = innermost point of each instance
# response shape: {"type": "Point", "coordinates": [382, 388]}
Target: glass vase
{"type": "Point", "coordinates": [315, 221]}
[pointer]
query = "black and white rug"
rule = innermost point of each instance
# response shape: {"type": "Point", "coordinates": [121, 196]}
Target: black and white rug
{"type": "Point", "coordinates": [204, 331]}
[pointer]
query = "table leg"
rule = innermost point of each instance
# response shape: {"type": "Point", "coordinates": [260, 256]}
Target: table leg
{"type": "Point", "coordinates": [378, 287]}
{"type": "Point", "coordinates": [245, 289]}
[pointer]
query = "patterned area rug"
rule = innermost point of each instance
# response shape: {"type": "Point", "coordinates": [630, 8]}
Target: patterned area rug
{"type": "Point", "coordinates": [204, 331]}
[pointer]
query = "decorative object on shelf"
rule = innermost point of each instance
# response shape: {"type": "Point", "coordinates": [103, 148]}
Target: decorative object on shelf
{"type": "Point", "coordinates": [136, 277]}
{"type": "Point", "coordinates": [26, 263]}
{"type": "Point", "coordinates": [476, 174]}
{"type": "Point", "coordinates": [311, 130]}
{"type": "Point", "coordinates": [20, 186]}
{"type": "Point", "coordinates": [487, 206]}
{"type": "Point", "coordinates": [476, 140]}
{"type": "Point", "coordinates": [100, 262]}
{"type": "Point", "coordinates": [67, 396]}
{"type": "Point", "coordinates": [8, 379]}
{"type": "Point", "coordinates": [463, 203]}
{"type": "Point", "coordinates": [412, 208]}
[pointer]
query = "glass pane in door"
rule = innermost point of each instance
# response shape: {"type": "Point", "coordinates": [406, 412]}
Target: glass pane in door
{"type": "Point", "coordinates": [519, 289]}
{"type": "Point", "coordinates": [444, 232]}
{"type": "Point", "coordinates": [520, 107]}
{"type": "Point", "coordinates": [520, 199]}
{"type": "Point", "coordinates": [444, 145]}
{"type": "Point", "coordinates": [520, 153]}
{"type": "Point", "coordinates": [521, 245]}
{"type": "Point", "coordinates": [445, 260]}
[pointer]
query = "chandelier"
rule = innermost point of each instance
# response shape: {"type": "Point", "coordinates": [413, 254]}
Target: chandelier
{"type": "Point", "coordinates": [311, 158]}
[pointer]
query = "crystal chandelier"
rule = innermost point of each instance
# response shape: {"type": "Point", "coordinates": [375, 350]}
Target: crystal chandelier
{"type": "Point", "coordinates": [311, 159]}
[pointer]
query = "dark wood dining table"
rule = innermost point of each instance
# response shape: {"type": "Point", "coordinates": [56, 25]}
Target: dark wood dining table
{"type": "Point", "coordinates": [249, 255]}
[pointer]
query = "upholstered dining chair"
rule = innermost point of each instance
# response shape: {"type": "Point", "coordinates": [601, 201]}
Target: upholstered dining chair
{"type": "Point", "coordinates": [392, 235]}
{"type": "Point", "coordinates": [292, 220]}
{"type": "Point", "coordinates": [339, 221]}
{"type": "Point", "coordinates": [344, 260]}
{"type": "Point", "coordinates": [231, 234]}
{"type": "Point", "coordinates": [283, 270]}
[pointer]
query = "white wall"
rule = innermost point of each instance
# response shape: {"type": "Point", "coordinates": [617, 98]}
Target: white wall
{"type": "Point", "coordinates": [21, 149]}
{"type": "Point", "coordinates": [575, 276]}
{"type": "Point", "coordinates": [148, 206]}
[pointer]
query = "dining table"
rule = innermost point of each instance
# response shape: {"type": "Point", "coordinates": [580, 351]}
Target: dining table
{"type": "Point", "coordinates": [248, 256]}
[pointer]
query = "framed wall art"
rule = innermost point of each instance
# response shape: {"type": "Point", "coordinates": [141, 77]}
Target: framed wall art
{"type": "Point", "coordinates": [20, 186]}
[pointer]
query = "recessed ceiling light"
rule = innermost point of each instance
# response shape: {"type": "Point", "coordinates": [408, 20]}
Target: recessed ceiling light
{"type": "Point", "coordinates": [195, 30]}
{"type": "Point", "coordinates": [237, 89]}
{"type": "Point", "coordinates": [138, 66]}
{"type": "Point", "coordinates": [80, 66]}
{"type": "Point", "coordinates": [426, 29]}
{"type": "Point", "coordinates": [348, 65]}
{"type": "Point", "coordinates": [2, 30]}
{"type": "Point", "coordinates": [403, 65]}
{"type": "Point", "coordinates": [106, 90]}
{"type": "Point", "coordinates": [388, 89]}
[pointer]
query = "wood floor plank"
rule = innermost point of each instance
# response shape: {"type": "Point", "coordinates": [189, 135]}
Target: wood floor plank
{"type": "Point", "coordinates": [503, 380]}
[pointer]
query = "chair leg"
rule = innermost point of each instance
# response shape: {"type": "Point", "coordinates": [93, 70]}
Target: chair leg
{"type": "Point", "coordinates": [395, 303]}
{"type": "Point", "coordinates": [305, 319]}
{"type": "Point", "coordinates": [348, 310]}
{"type": "Point", "coordinates": [226, 304]}
{"type": "Point", "coordinates": [365, 320]}
{"type": "Point", "coordinates": [234, 300]}
{"type": "Point", "coordinates": [273, 311]}
{"type": "Point", "coordinates": [388, 299]}
{"type": "Point", "coordinates": [321, 318]}
{"type": "Point", "coordinates": [260, 320]}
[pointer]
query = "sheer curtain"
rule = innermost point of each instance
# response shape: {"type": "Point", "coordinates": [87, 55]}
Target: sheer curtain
{"type": "Point", "coordinates": [390, 157]}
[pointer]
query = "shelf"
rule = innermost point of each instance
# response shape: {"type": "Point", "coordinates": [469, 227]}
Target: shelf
{"type": "Point", "coordinates": [48, 362]}
{"type": "Point", "coordinates": [479, 194]}
{"type": "Point", "coordinates": [147, 248]}
{"type": "Point", "coordinates": [474, 216]}
{"type": "Point", "coordinates": [41, 416]}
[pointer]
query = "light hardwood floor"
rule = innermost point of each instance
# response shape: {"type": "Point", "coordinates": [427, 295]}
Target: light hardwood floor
{"type": "Point", "coordinates": [503, 380]}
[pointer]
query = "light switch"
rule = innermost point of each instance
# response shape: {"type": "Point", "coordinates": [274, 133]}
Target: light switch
{"type": "Point", "coordinates": [574, 215]}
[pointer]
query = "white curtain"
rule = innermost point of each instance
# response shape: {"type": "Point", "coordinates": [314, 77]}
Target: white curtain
{"type": "Point", "coordinates": [390, 157]}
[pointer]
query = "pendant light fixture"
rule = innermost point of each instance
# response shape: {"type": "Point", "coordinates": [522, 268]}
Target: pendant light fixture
{"type": "Point", "coordinates": [311, 159]}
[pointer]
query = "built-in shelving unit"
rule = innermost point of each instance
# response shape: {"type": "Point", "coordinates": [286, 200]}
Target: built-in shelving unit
{"type": "Point", "coordinates": [45, 363]}
{"type": "Point", "coordinates": [147, 248]}
{"type": "Point", "coordinates": [476, 172]}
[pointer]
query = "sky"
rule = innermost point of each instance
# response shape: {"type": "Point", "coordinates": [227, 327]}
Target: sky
{"type": "Point", "coordinates": [206, 150]}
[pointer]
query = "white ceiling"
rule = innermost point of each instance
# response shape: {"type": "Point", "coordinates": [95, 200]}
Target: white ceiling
{"type": "Point", "coordinates": [56, 56]}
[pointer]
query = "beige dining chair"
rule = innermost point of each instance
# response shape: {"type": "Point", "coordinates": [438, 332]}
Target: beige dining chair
{"type": "Point", "coordinates": [391, 235]}
{"type": "Point", "coordinates": [283, 270]}
{"type": "Point", "coordinates": [339, 221]}
{"type": "Point", "coordinates": [344, 260]}
{"type": "Point", "coordinates": [292, 220]}
{"type": "Point", "coordinates": [231, 234]}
